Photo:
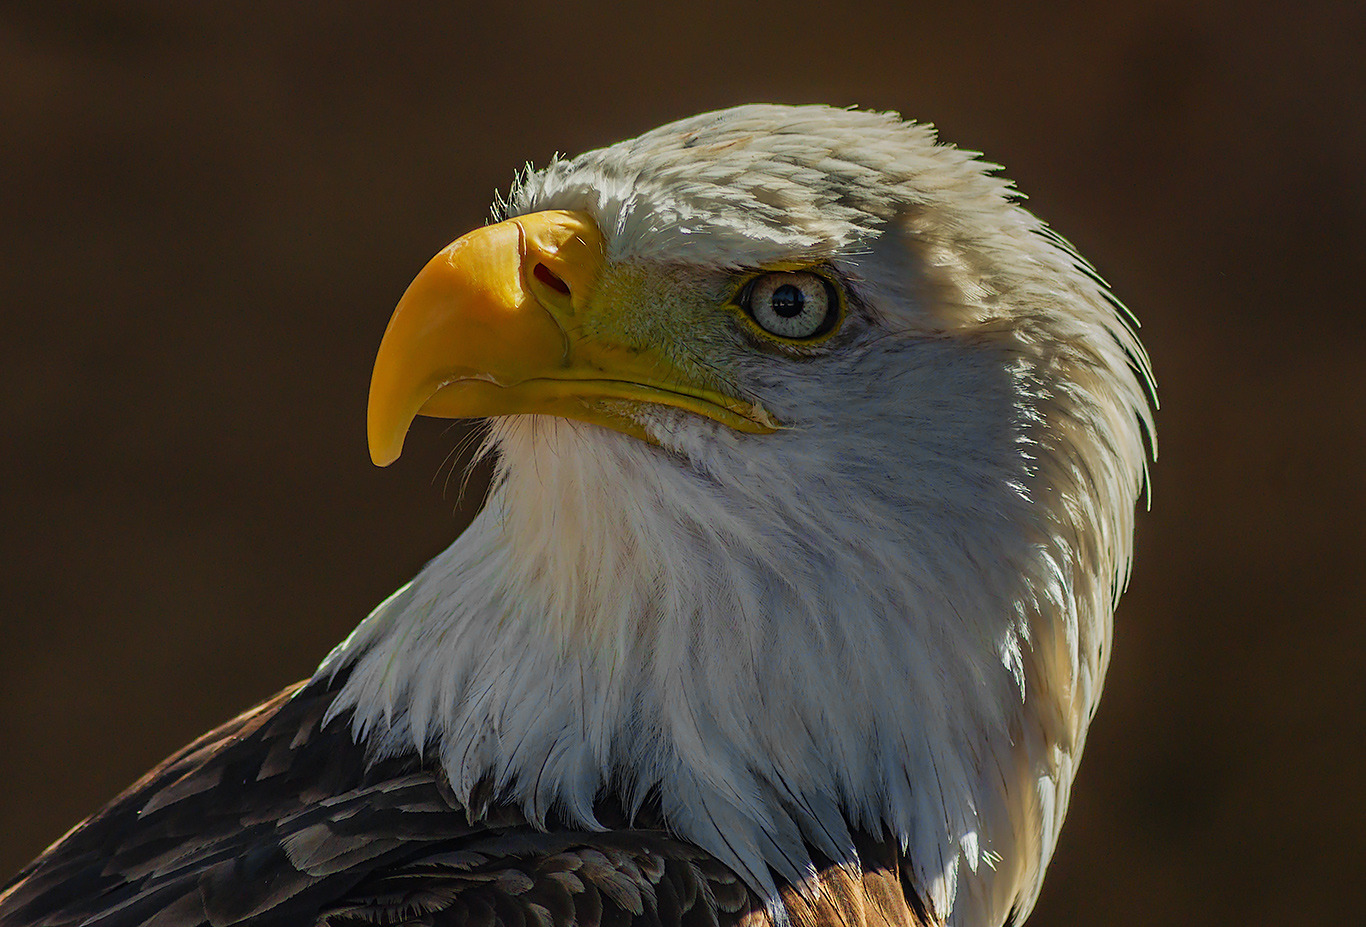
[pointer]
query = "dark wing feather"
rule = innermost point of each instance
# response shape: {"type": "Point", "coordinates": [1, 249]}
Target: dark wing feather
{"type": "Point", "coordinates": [633, 876]}
{"type": "Point", "coordinates": [270, 816]}
{"type": "Point", "coordinates": [274, 819]}
{"type": "Point", "coordinates": [622, 877]}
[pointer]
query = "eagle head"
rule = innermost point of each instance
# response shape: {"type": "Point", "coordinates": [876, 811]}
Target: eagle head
{"type": "Point", "coordinates": [817, 459]}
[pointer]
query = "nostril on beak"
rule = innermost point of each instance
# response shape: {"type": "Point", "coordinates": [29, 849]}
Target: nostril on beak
{"type": "Point", "coordinates": [550, 279]}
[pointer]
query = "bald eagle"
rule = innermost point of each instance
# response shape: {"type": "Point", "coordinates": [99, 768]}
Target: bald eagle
{"type": "Point", "coordinates": [816, 465]}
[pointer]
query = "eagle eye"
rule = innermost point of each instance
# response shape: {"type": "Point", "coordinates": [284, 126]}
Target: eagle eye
{"type": "Point", "coordinates": [791, 304]}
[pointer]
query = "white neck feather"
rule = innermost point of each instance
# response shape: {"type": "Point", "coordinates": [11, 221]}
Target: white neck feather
{"type": "Point", "coordinates": [777, 658]}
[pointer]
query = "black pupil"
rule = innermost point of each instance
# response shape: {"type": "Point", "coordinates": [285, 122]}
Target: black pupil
{"type": "Point", "coordinates": [787, 301]}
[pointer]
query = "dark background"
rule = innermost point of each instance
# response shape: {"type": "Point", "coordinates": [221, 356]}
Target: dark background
{"type": "Point", "coordinates": [209, 213]}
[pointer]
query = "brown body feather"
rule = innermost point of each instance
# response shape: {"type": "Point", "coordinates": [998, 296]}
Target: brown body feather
{"type": "Point", "coordinates": [276, 819]}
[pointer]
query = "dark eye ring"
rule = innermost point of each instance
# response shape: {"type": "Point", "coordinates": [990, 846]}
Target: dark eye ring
{"type": "Point", "coordinates": [798, 305]}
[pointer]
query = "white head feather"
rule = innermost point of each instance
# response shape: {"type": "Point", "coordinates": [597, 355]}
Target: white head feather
{"type": "Point", "coordinates": [894, 612]}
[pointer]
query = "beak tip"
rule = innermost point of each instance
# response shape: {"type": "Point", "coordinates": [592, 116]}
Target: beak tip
{"type": "Point", "coordinates": [384, 450]}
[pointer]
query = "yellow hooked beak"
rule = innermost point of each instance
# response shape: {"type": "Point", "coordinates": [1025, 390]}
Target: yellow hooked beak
{"type": "Point", "coordinates": [504, 321]}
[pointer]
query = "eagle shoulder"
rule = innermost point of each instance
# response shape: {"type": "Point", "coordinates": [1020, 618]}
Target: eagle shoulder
{"type": "Point", "coordinates": [278, 818]}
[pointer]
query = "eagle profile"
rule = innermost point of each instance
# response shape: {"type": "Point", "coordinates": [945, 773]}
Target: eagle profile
{"type": "Point", "coordinates": [817, 460]}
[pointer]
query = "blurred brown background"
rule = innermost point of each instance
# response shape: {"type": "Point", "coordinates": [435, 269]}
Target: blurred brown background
{"type": "Point", "coordinates": [208, 214]}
